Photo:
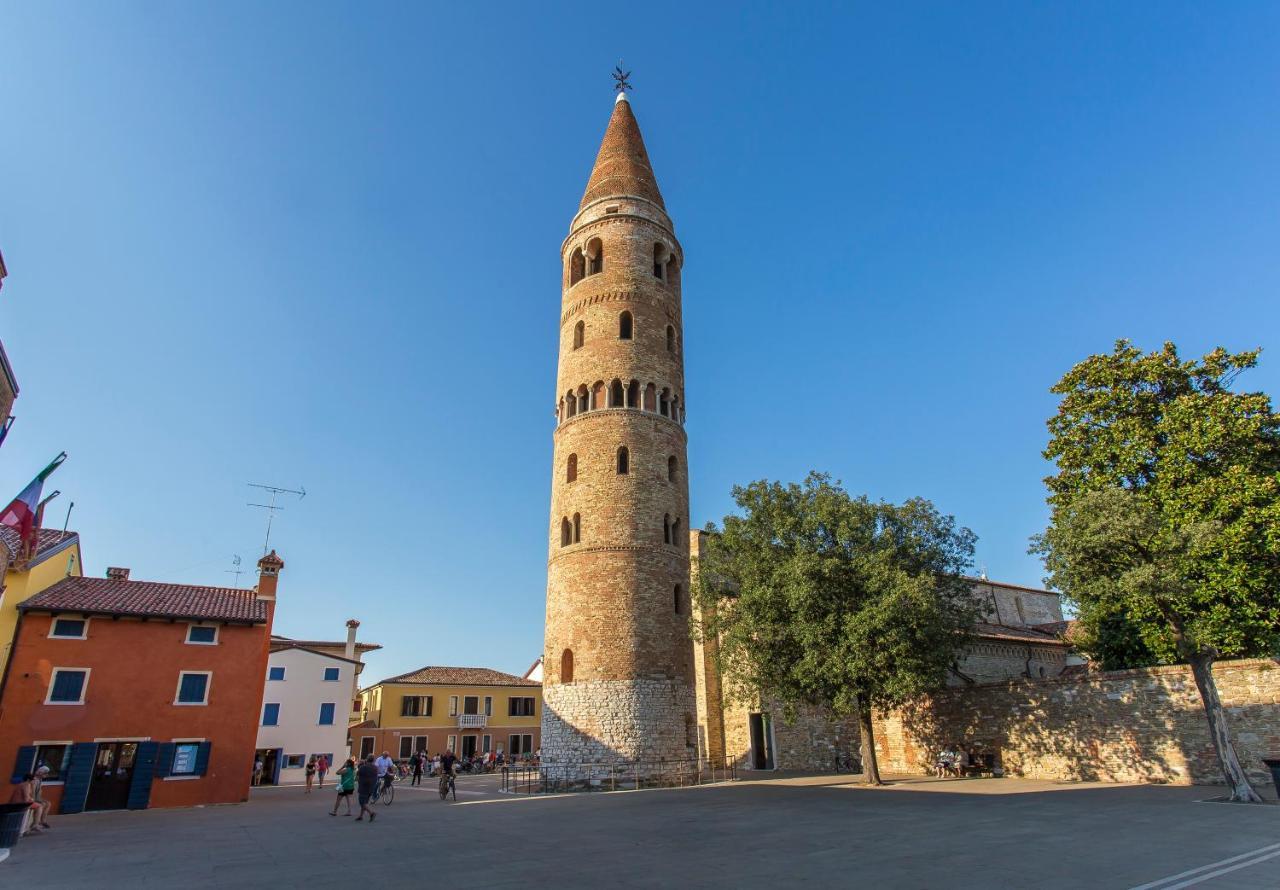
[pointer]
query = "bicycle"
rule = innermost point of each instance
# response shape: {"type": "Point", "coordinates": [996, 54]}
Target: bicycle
{"type": "Point", "coordinates": [447, 784]}
{"type": "Point", "coordinates": [386, 791]}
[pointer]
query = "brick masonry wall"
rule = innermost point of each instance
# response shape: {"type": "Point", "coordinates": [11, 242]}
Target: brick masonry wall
{"type": "Point", "coordinates": [1123, 726]}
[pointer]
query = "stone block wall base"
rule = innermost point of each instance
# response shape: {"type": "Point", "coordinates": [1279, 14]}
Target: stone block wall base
{"type": "Point", "coordinates": [611, 721]}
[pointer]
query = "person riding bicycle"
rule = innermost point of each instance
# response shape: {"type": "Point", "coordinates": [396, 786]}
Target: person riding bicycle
{"type": "Point", "coordinates": [386, 769]}
{"type": "Point", "coordinates": [448, 760]}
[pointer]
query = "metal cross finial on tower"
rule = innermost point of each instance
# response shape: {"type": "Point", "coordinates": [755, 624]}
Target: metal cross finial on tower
{"type": "Point", "coordinates": [271, 508]}
{"type": "Point", "coordinates": [620, 78]}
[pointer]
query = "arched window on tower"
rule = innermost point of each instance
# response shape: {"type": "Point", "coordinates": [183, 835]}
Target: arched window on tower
{"type": "Point", "coordinates": [679, 600]}
{"type": "Point", "coordinates": [633, 394]}
{"type": "Point", "coordinates": [671, 339]}
{"type": "Point", "coordinates": [570, 403]}
{"type": "Point", "coordinates": [672, 464]}
{"type": "Point", "coordinates": [597, 395]}
{"type": "Point", "coordinates": [577, 266]}
{"type": "Point", "coordinates": [579, 334]}
{"type": "Point", "coordinates": [675, 532]}
{"type": "Point", "coordinates": [577, 528]}
{"type": "Point", "coordinates": [566, 666]}
{"type": "Point", "coordinates": [650, 398]}
{"type": "Point", "coordinates": [624, 460]}
{"type": "Point", "coordinates": [664, 403]}
{"type": "Point", "coordinates": [595, 256]}
{"type": "Point", "coordinates": [616, 395]}
{"type": "Point", "coordinates": [673, 271]}
{"type": "Point", "coordinates": [660, 257]}
{"type": "Point", "coordinates": [571, 469]}
{"type": "Point", "coordinates": [666, 528]}
{"type": "Point", "coordinates": [624, 326]}
{"type": "Point", "coordinates": [584, 399]}
{"type": "Point", "coordinates": [566, 533]}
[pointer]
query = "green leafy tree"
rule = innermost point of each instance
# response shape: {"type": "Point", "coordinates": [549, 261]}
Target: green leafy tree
{"type": "Point", "coordinates": [1165, 525]}
{"type": "Point", "coordinates": [816, 597]}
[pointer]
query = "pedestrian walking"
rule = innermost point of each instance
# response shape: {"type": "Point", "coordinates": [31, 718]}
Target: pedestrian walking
{"type": "Point", "coordinates": [257, 771]}
{"type": "Point", "coordinates": [366, 784]}
{"type": "Point", "coordinates": [346, 786]}
{"type": "Point", "coordinates": [311, 773]}
{"type": "Point", "coordinates": [417, 768]}
{"type": "Point", "coordinates": [322, 767]}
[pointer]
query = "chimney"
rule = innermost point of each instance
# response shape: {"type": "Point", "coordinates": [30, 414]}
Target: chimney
{"type": "Point", "coordinates": [115, 573]}
{"type": "Point", "coordinates": [351, 639]}
{"type": "Point", "coordinates": [268, 575]}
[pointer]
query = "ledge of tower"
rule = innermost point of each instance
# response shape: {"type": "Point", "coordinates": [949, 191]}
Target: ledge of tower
{"type": "Point", "coordinates": [622, 165]}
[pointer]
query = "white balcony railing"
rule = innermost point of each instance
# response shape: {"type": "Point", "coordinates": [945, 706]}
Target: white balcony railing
{"type": "Point", "coordinates": [472, 721]}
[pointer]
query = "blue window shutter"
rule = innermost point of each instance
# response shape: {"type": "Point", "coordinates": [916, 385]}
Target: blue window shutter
{"type": "Point", "coordinates": [79, 773]}
{"type": "Point", "coordinates": [202, 758]}
{"type": "Point", "coordinates": [326, 713]}
{"type": "Point", "coordinates": [144, 771]}
{"type": "Point", "coordinates": [26, 760]}
{"type": "Point", "coordinates": [164, 759]}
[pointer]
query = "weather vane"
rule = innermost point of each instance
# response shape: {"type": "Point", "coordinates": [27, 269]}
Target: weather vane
{"type": "Point", "coordinates": [620, 78]}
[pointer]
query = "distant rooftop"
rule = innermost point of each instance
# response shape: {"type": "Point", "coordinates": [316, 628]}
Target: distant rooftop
{"type": "Point", "coordinates": [460, 676]}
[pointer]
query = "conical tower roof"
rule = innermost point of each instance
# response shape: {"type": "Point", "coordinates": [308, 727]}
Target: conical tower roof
{"type": "Point", "coordinates": [622, 166]}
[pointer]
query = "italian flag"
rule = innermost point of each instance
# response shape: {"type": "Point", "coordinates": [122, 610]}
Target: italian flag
{"type": "Point", "coordinates": [21, 514]}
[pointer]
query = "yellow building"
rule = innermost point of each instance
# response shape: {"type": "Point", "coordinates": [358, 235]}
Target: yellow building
{"type": "Point", "coordinates": [469, 710]}
{"type": "Point", "coordinates": [57, 556]}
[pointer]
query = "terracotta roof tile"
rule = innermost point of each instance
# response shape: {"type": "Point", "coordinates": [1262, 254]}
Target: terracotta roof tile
{"type": "Point", "coordinates": [460, 676]}
{"type": "Point", "coordinates": [47, 539]}
{"type": "Point", "coordinates": [1022, 634]}
{"type": "Point", "coordinates": [156, 599]}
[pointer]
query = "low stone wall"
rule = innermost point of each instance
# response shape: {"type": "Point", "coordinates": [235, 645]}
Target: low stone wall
{"type": "Point", "coordinates": [1123, 726]}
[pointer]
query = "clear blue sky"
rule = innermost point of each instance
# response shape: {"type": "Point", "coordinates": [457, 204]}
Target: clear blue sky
{"type": "Point", "coordinates": [313, 244]}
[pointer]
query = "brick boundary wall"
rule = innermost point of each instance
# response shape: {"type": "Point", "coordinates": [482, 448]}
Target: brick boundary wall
{"type": "Point", "coordinates": [1143, 725]}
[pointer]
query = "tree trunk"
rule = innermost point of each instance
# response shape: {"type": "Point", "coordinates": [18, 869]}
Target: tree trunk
{"type": "Point", "coordinates": [870, 768]}
{"type": "Point", "coordinates": [1202, 670]}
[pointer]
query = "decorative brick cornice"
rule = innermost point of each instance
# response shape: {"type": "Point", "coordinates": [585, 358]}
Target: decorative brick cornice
{"type": "Point", "coordinates": [576, 549]}
{"type": "Point", "coordinates": [664, 299]}
{"type": "Point", "coordinates": [600, 412]}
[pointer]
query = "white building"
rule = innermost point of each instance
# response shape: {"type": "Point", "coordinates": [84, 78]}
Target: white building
{"type": "Point", "coordinates": [310, 690]}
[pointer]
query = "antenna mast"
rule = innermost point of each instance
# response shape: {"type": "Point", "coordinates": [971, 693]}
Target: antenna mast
{"type": "Point", "coordinates": [271, 508]}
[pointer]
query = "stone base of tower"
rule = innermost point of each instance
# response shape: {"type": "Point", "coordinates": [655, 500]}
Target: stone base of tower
{"type": "Point", "coordinates": [617, 721]}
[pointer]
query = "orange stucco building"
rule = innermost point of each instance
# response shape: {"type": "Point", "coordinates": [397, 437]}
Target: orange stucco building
{"type": "Point", "coordinates": [137, 693]}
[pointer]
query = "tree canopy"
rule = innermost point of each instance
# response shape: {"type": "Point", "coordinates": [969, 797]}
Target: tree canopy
{"type": "Point", "coordinates": [817, 597]}
{"type": "Point", "coordinates": [1165, 515]}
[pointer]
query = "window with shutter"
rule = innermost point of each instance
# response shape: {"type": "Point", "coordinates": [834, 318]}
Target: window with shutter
{"type": "Point", "coordinates": [25, 763]}
{"type": "Point", "coordinates": [164, 760]}
{"type": "Point", "coordinates": [202, 758]}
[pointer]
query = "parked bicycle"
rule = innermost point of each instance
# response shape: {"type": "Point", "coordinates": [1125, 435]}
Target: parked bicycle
{"type": "Point", "coordinates": [848, 762]}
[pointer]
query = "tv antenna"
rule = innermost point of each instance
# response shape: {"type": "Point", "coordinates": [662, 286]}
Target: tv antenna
{"type": "Point", "coordinates": [272, 507]}
{"type": "Point", "coordinates": [235, 570]}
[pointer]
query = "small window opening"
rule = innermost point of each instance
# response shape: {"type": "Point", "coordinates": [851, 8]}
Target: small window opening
{"type": "Point", "coordinates": [613, 209]}
{"type": "Point", "coordinates": [584, 399]}
{"type": "Point", "coordinates": [633, 394]}
{"type": "Point", "coordinates": [660, 260]}
{"type": "Point", "coordinates": [597, 395]}
{"type": "Point", "coordinates": [664, 403]}
{"type": "Point", "coordinates": [566, 666]}
{"type": "Point", "coordinates": [650, 398]}
{"type": "Point", "coordinates": [571, 469]}
{"type": "Point", "coordinates": [672, 463]}
{"type": "Point", "coordinates": [579, 334]}
{"type": "Point", "coordinates": [577, 528]}
{"type": "Point", "coordinates": [666, 528]}
{"type": "Point", "coordinates": [678, 599]}
{"type": "Point", "coordinates": [624, 461]}
{"type": "Point", "coordinates": [577, 267]}
{"type": "Point", "coordinates": [624, 326]}
{"type": "Point", "coordinates": [616, 394]}
{"type": "Point", "coordinates": [671, 339]}
{"type": "Point", "coordinates": [566, 533]}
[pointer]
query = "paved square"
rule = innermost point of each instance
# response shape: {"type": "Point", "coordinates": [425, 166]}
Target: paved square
{"type": "Point", "coordinates": [818, 831]}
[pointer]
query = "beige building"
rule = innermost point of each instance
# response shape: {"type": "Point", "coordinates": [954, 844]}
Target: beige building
{"type": "Point", "coordinates": [468, 710]}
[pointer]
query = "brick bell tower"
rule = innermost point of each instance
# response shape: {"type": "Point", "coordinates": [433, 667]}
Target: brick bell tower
{"type": "Point", "coordinates": [618, 661]}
